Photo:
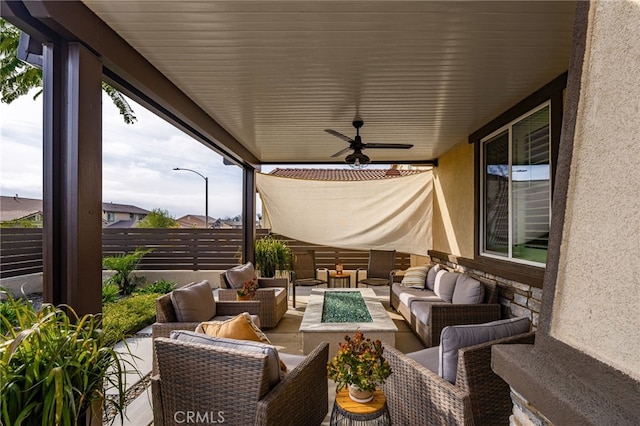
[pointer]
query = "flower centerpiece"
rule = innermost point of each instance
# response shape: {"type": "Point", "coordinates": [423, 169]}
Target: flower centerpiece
{"type": "Point", "coordinates": [248, 289]}
{"type": "Point", "coordinates": [360, 365]}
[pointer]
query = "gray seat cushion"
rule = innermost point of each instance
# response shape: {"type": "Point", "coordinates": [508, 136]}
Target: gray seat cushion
{"type": "Point", "coordinates": [237, 276]}
{"type": "Point", "coordinates": [467, 291]}
{"type": "Point", "coordinates": [428, 358]}
{"type": "Point", "coordinates": [194, 303]}
{"type": "Point", "coordinates": [431, 276]}
{"type": "Point", "coordinates": [420, 309]}
{"type": "Point", "coordinates": [461, 336]}
{"type": "Point", "coordinates": [445, 285]}
{"type": "Point", "coordinates": [273, 359]}
{"type": "Point", "coordinates": [375, 281]}
{"type": "Point", "coordinates": [409, 295]}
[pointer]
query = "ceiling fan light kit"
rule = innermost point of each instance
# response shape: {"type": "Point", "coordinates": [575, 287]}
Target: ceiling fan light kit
{"type": "Point", "coordinates": [357, 158]}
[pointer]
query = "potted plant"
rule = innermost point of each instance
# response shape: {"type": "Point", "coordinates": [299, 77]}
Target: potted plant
{"type": "Point", "coordinates": [360, 365]}
{"type": "Point", "coordinates": [272, 255]}
{"type": "Point", "coordinates": [248, 289]}
{"type": "Point", "coordinates": [55, 367]}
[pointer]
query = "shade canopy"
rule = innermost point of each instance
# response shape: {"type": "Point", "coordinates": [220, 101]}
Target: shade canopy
{"type": "Point", "coordinates": [384, 214]}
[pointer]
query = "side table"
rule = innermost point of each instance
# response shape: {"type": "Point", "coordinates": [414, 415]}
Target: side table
{"type": "Point", "coordinates": [343, 279]}
{"type": "Point", "coordinates": [348, 412]}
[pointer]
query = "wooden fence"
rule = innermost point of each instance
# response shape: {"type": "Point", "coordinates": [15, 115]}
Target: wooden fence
{"type": "Point", "coordinates": [178, 249]}
{"type": "Point", "coordinates": [20, 251]}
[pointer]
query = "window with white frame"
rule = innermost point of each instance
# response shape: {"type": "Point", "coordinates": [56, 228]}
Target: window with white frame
{"type": "Point", "coordinates": [516, 189]}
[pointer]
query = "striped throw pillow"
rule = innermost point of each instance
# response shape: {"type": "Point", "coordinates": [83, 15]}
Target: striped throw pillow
{"type": "Point", "coordinates": [415, 276]}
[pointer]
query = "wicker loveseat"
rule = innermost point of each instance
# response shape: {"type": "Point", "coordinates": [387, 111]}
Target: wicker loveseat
{"type": "Point", "coordinates": [417, 394]}
{"type": "Point", "coordinates": [470, 300]}
{"type": "Point", "coordinates": [272, 294]}
{"type": "Point", "coordinates": [233, 386]}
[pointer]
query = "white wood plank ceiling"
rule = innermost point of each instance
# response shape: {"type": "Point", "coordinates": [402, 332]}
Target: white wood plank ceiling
{"type": "Point", "coordinates": [275, 74]}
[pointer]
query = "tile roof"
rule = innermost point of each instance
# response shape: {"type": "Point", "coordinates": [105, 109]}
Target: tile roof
{"type": "Point", "coordinates": [11, 203]}
{"type": "Point", "coordinates": [342, 174]}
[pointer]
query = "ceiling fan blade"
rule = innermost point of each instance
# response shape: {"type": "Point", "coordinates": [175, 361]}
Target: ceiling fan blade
{"type": "Point", "coordinates": [388, 145]}
{"type": "Point", "coordinates": [341, 152]}
{"type": "Point", "coordinates": [339, 135]}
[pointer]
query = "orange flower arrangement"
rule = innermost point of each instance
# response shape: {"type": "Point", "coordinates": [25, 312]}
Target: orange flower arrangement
{"type": "Point", "coordinates": [249, 288]}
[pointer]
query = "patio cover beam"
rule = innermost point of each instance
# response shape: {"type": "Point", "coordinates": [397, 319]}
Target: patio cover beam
{"type": "Point", "coordinates": [131, 73]}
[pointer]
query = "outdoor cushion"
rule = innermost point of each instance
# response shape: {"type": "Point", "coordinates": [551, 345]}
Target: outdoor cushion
{"type": "Point", "coordinates": [375, 281]}
{"type": "Point", "coordinates": [280, 294]}
{"type": "Point", "coordinates": [194, 303]}
{"type": "Point", "coordinates": [415, 276]}
{"type": "Point", "coordinates": [420, 309]}
{"type": "Point", "coordinates": [410, 295]}
{"type": "Point", "coordinates": [431, 276]}
{"type": "Point", "coordinates": [239, 327]}
{"type": "Point", "coordinates": [445, 284]}
{"type": "Point", "coordinates": [467, 291]}
{"type": "Point", "coordinates": [239, 275]}
{"type": "Point", "coordinates": [273, 359]}
{"type": "Point", "coordinates": [461, 336]}
{"type": "Point", "coordinates": [428, 358]}
{"type": "Point", "coordinates": [223, 318]}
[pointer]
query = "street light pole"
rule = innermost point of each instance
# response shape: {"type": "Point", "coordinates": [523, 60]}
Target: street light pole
{"type": "Point", "coordinates": [206, 194]}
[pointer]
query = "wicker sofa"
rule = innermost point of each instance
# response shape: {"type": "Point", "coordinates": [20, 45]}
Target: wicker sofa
{"type": "Point", "coordinates": [417, 394]}
{"type": "Point", "coordinates": [428, 313]}
{"type": "Point", "coordinates": [272, 294]}
{"type": "Point", "coordinates": [232, 386]}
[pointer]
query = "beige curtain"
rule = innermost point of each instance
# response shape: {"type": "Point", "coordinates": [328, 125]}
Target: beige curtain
{"type": "Point", "coordinates": [384, 214]}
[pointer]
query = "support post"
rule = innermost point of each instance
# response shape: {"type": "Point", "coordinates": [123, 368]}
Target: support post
{"type": "Point", "coordinates": [248, 213]}
{"type": "Point", "coordinates": [72, 80]}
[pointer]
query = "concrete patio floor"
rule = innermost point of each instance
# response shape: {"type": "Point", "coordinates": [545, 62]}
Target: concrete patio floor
{"type": "Point", "coordinates": [285, 337]}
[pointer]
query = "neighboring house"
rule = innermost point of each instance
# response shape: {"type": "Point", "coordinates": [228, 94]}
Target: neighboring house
{"type": "Point", "coordinates": [123, 224]}
{"type": "Point", "coordinates": [194, 221]}
{"type": "Point", "coordinates": [112, 212]}
{"type": "Point", "coordinates": [17, 209]}
{"type": "Point", "coordinates": [227, 224]}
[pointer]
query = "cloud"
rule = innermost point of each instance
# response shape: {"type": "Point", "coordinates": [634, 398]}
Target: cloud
{"type": "Point", "coordinates": [138, 162]}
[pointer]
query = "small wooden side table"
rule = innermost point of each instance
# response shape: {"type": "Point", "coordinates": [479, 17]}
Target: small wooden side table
{"type": "Point", "coordinates": [343, 279]}
{"type": "Point", "coordinates": [348, 412]}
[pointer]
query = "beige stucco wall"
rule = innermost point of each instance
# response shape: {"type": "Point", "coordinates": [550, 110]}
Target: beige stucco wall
{"type": "Point", "coordinates": [453, 201]}
{"type": "Point", "coordinates": [596, 307]}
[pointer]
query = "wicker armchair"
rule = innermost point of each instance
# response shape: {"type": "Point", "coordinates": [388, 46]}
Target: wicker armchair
{"type": "Point", "coordinates": [272, 304]}
{"type": "Point", "coordinates": [417, 395]}
{"type": "Point", "coordinates": [166, 320]}
{"type": "Point", "coordinates": [234, 384]}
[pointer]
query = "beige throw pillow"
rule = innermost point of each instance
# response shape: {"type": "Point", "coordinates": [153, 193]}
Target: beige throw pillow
{"type": "Point", "coordinates": [240, 327]}
{"type": "Point", "coordinates": [415, 276]}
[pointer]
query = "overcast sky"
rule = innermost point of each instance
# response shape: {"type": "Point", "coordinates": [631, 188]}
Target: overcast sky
{"type": "Point", "coordinates": [138, 162]}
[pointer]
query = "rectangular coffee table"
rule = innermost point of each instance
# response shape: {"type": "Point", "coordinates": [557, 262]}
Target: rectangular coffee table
{"type": "Point", "coordinates": [315, 331]}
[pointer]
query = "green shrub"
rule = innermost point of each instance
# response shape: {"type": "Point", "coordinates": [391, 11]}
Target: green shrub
{"type": "Point", "coordinates": [54, 367]}
{"type": "Point", "coordinates": [159, 287]}
{"type": "Point", "coordinates": [123, 265]}
{"type": "Point", "coordinates": [110, 293]}
{"type": "Point", "coordinates": [9, 313]}
{"type": "Point", "coordinates": [127, 316]}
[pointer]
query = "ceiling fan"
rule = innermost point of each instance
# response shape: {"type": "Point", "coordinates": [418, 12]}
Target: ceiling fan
{"type": "Point", "coordinates": [357, 158]}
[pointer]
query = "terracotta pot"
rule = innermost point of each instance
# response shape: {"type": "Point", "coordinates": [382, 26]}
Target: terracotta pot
{"type": "Point", "coordinates": [245, 297]}
{"type": "Point", "coordinates": [359, 395]}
